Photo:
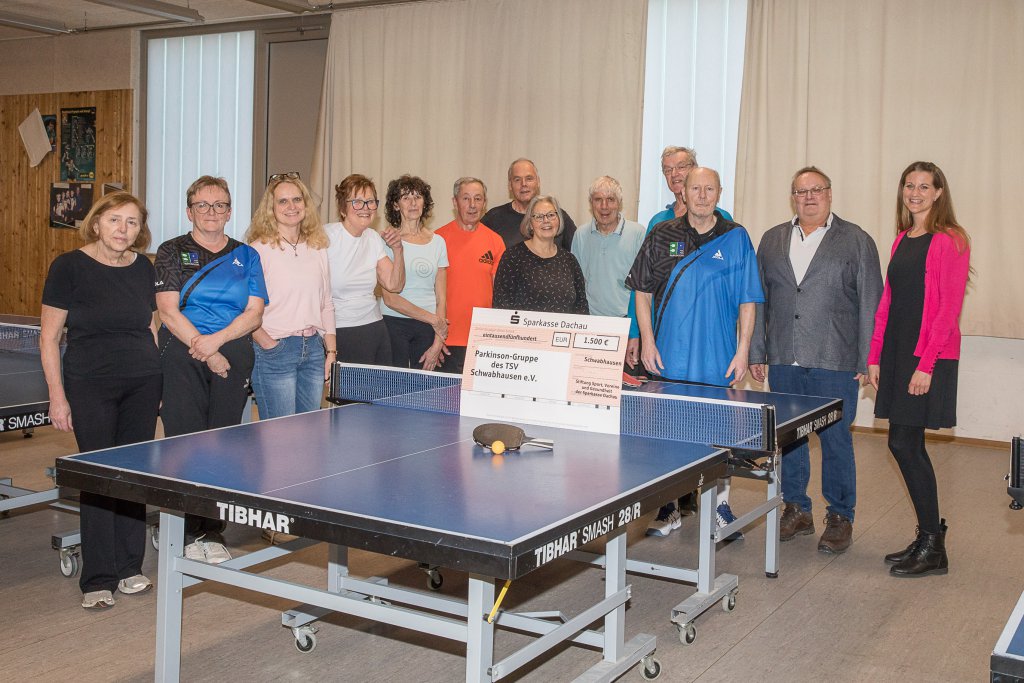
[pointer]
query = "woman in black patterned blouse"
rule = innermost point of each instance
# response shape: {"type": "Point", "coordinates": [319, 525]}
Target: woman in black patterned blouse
{"type": "Point", "coordinates": [537, 274]}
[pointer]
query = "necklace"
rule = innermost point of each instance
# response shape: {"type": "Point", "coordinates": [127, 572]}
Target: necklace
{"type": "Point", "coordinates": [294, 245]}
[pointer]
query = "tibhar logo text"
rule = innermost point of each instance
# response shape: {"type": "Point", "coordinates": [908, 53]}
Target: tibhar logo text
{"type": "Point", "coordinates": [253, 517]}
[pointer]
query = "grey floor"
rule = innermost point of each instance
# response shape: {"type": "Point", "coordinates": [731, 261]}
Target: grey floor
{"type": "Point", "coordinates": [824, 619]}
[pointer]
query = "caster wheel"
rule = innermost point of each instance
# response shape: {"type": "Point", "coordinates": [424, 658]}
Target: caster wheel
{"type": "Point", "coordinates": [305, 641]}
{"type": "Point", "coordinates": [69, 562]}
{"type": "Point", "coordinates": [154, 536]}
{"type": "Point", "coordinates": [687, 633]}
{"type": "Point", "coordinates": [772, 575]}
{"type": "Point", "coordinates": [650, 668]}
{"type": "Point", "coordinates": [729, 601]}
{"type": "Point", "coordinates": [434, 580]}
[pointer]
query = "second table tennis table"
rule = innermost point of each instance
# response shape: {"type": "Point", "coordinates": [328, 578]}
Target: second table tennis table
{"type": "Point", "coordinates": [401, 475]}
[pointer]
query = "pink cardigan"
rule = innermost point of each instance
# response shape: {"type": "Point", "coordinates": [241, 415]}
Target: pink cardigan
{"type": "Point", "coordinates": [945, 279]}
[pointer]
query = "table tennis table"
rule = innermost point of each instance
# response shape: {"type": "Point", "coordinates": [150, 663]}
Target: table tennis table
{"type": "Point", "coordinates": [24, 399]}
{"type": "Point", "coordinates": [400, 474]}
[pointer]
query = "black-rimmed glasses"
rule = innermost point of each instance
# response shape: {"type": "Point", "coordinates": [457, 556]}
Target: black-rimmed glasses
{"type": "Point", "coordinates": [204, 207]}
{"type": "Point", "coordinates": [290, 175]}
{"type": "Point", "coordinates": [358, 204]}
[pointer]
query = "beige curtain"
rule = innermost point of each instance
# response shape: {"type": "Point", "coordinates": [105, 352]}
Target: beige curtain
{"type": "Point", "coordinates": [459, 87]}
{"type": "Point", "coordinates": [862, 89]}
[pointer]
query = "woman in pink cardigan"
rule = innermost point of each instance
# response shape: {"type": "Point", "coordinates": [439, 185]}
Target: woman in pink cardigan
{"type": "Point", "coordinates": [916, 346]}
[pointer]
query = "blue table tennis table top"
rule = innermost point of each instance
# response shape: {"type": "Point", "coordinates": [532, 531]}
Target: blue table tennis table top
{"type": "Point", "coordinates": [415, 484]}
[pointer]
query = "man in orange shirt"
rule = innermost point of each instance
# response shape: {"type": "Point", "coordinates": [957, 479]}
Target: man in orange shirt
{"type": "Point", "coordinates": [474, 251]}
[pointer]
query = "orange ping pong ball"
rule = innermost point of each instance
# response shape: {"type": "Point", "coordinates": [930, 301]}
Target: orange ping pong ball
{"type": "Point", "coordinates": [498, 447]}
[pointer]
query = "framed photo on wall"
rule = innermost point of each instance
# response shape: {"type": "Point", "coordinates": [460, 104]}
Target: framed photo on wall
{"type": "Point", "coordinates": [69, 204]}
{"type": "Point", "coordinates": [78, 144]}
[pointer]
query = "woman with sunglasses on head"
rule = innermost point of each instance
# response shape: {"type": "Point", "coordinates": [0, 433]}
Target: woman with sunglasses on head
{"type": "Point", "coordinates": [537, 274]}
{"type": "Point", "coordinates": [915, 348]}
{"type": "Point", "coordinates": [359, 262]}
{"type": "Point", "coordinates": [295, 345]}
{"type": "Point", "coordinates": [415, 317]}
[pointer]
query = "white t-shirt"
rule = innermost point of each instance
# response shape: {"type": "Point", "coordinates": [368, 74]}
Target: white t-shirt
{"type": "Point", "coordinates": [421, 264]}
{"type": "Point", "coordinates": [354, 274]}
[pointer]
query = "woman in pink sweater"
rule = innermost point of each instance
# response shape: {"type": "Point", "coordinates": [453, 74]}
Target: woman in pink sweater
{"type": "Point", "coordinates": [916, 346]}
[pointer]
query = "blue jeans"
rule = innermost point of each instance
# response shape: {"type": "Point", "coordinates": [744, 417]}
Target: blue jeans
{"type": "Point", "coordinates": [289, 378]}
{"type": "Point", "coordinates": [838, 469]}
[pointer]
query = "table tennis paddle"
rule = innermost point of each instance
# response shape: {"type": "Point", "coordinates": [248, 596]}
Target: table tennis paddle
{"type": "Point", "coordinates": [511, 436]}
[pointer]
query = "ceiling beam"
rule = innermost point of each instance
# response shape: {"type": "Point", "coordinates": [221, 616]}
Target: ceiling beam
{"type": "Point", "coordinates": [32, 23]}
{"type": "Point", "coordinates": [297, 6]}
{"type": "Point", "coordinates": [164, 10]}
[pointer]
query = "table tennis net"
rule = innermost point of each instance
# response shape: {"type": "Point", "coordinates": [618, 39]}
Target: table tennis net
{"type": "Point", "coordinates": [19, 338]}
{"type": "Point", "coordinates": [676, 418]}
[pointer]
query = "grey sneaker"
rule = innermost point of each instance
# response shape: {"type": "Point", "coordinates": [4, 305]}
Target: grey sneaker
{"type": "Point", "coordinates": [664, 525]}
{"type": "Point", "coordinates": [134, 584]}
{"type": "Point", "coordinates": [207, 551]}
{"type": "Point", "coordinates": [98, 600]}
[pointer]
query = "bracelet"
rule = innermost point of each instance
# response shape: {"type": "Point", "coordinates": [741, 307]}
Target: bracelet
{"type": "Point", "coordinates": [330, 351]}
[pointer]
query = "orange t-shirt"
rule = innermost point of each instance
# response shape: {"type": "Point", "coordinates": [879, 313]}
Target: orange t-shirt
{"type": "Point", "coordinates": [473, 258]}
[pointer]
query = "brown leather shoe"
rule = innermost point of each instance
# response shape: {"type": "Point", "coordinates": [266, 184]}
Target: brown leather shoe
{"type": "Point", "coordinates": [795, 521]}
{"type": "Point", "coordinates": [838, 534]}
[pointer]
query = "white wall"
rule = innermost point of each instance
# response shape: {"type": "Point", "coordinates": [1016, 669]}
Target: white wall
{"type": "Point", "coordinates": [990, 404]}
{"type": "Point", "coordinates": [105, 60]}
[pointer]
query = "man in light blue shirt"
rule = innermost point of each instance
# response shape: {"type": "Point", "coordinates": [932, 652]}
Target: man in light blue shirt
{"type": "Point", "coordinates": [606, 248]}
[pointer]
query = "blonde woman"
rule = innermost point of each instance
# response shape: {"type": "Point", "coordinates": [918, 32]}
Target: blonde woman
{"type": "Point", "coordinates": [295, 345]}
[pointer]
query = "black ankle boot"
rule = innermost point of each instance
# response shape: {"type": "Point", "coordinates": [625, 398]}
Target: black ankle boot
{"type": "Point", "coordinates": [927, 557]}
{"type": "Point", "coordinates": [900, 555]}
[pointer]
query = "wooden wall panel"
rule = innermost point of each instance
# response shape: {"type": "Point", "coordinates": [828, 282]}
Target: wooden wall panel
{"type": "Point", "coordinates": [27, 242]}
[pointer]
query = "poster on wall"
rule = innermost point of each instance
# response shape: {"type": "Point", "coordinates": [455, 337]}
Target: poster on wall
{"type": "Point", "coordinates": [78, 144]}
{"type": "Point", "coordinates": [69, 204]}
{"type": "Point", "coordinates": [50, 123]}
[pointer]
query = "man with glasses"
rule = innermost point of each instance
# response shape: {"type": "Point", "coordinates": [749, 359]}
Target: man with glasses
{"type": "Point", "coordinates": [697, 286]}
{"type": "Point", "coordinates": [474, 251]}
{"type": "Point", "coordinates": [822, 284]}
{"type": "Point", "coordinates": [211, 295]}
{"type": "Point", "coordinates": [523, 186]}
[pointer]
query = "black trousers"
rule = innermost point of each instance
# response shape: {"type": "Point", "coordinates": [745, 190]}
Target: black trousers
{"type": "Point", "coordinates": [105, 413]}
{"type": "Point", "coordinates": [367, 344]}
{"type": "Point", "coordinates": [410, 339]}
{"type": "Point", "coordinates": [907, 446]}
{"type": "Point", "coordinates": [195, 399]}
{"type": "Point", "coordinates": [456, 362]}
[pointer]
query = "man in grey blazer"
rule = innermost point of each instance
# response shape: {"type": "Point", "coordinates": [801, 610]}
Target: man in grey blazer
{"type": "Point", "coordinates": [822, 283]}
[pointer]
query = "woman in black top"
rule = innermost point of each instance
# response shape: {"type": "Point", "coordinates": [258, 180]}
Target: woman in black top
{"type": "Point", "coordinates": [537, 274]}
{"type": "Point", "coordinates": [109, 390]}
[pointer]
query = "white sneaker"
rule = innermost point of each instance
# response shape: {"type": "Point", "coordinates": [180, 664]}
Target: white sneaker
{"type": "Point", "coordinates": [98, 600]}
{"type": "Point", "coordinates": [134, 584]}
{"type": "Point", "coordinates": [664, 526]}
{"type": "Point", "coordinates": [207, 551]}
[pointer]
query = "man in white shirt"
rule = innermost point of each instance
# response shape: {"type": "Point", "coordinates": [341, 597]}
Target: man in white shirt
{"type": "Point", "coordinates": [822, 283]}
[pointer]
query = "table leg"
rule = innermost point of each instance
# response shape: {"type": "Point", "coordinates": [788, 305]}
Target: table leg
{"type": "Point", "coordinates": [480, 634]}
{"type": "Point", "coordinates": [706, 531]}
{"type": "Point", "coordinates": [166, 668]}
{"type": "Point", "coordinates": [772, 521]}
{"type": "Point", "coordinates": [614, 582]}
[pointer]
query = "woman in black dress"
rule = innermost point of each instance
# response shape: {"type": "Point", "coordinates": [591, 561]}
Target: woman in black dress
{"type": "Point", "coordinates": [537, 274]}
{"type": "Point", "coordinates": [916, 346]}
{"type": "Point", "coordinates": [108, 392]}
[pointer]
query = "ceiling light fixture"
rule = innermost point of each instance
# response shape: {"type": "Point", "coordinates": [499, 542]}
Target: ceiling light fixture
{"type": "Point", "coordinates": [32, 24]}
{"type": "Point", "coordinates": [164, 10]}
